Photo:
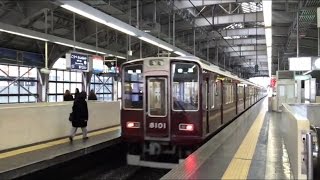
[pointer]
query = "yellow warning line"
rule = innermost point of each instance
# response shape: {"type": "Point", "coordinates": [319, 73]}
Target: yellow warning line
{"type": "Point", "coordinates": [53, 143]}
{"type": "Point", "coordinates": [240, 163]}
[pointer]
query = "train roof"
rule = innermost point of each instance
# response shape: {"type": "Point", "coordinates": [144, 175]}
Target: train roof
{"type": "Point", "coordinates": [203, 64]}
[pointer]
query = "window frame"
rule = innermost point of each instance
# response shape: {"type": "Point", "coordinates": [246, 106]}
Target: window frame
{"type": "Point", "coordinates": [199, 89]}
{"type": "Point", "coordinates": [166, 96]}
{"type": "Point", "coordinates": [123, 89]}
{"type": "Point", "coordinates": [22, 84]}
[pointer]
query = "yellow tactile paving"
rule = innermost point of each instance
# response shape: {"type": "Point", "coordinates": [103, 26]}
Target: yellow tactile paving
{"type": "Point", "coordinates": [240, 163]}
{"type": "Point", "coordinates": [52, 143]}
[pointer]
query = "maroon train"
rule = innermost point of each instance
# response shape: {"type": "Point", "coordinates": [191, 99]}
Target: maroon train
{"type": "Point", "coordinates": [170, 105]}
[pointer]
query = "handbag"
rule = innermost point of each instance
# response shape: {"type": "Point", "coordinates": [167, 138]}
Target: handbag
{"type": "Point", "coordinates": [71, 116]}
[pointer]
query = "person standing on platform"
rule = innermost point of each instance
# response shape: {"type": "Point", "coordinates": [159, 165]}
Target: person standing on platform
{"type": "Point", "coordinates": [76, 94]}
{"type": "Point", "coordinates": [79, 116]}
{"type": "Point", "coordinates": [67, 96]}
{"type": "Point", "coordinates": [92, 95]}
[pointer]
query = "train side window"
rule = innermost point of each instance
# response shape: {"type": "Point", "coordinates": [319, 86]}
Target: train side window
{"type": "Point", "coordinates": [133, 87]}
{"type": "Point", "coordinates": [185, 86]}
{"type": "Point", "coordinates": [213, 87]}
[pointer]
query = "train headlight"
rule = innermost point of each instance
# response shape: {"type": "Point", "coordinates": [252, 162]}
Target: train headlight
{"type": "Point", "coordinates": [186, 127]}
{"type": "Point", "coordinates": [133, 125]}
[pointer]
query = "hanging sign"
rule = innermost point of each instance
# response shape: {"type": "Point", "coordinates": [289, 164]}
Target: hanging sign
{"type": "Point", "coordinates": [97, 64]}
{"type": "Point", "coordinates": [77, 61]}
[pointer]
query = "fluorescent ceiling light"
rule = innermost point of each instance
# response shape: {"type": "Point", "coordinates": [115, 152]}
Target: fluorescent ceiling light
{"type": "Point", "coordinates": [90, 50]}
{"type": "Point", "coordinates": [64, 44]}
{"type": "Point", "coordinates": [116, 27]}
{"type": "Point", "coordinates": [179, 53]}
{"type": "Point", "coordinates": [78, 47]}
{"type": "Point", "coordinates": [165, 47]}
{"type": "Point", "coordinates": [149, 41]}
{"type": "Point", "coordinates": [83, 13]}
{"type": "Point", "coordinates": [308, 72]}
{"type": "Point", "coordinates": [121, 57]}
{"type": "Point", "coordinates": [94, 18]}
{"type": "Point", "coordinates": [24, 35]}
{"type": "Point", "coordinates": [155, 43]}
{"type": "Point", "coordinates": [267, 12]}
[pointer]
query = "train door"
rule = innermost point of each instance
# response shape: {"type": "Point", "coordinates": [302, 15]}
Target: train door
{"type": "Point", "coordinates": [236, 97]}
{"type": "Point", "coordinates": [156, 109]}
{"type": "Point", "coordinates": [206, 105]}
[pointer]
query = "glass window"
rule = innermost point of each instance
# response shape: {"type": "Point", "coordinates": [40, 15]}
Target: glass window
{"type": "Point", "coordinates": [185, 86]}
{"type": "Point", "coordinates": [4, 87]}
{"type": "Point", "coordinates": [73, 76]}
{"type": "Point", "coordinates": [212, 93]}
{"type": "Point", "coordinates": [79, 76]}
{"type": "Point", "coordinates": [59, 98]}
{"type": "Point", "coordinates": [73, 87]}
{"type": "Point", "coordinates": [14, 71]}
{"type": "Point", "coordinates": [133, 86]}
{"type": "Point", "coordinates": [52, 75]}
{"type": "Point", "coordinates": [52, 88]}
{"type": "Point", "coordinates": [59, 75]}
{"type": "Point", "coordinates": [32, 99]}
{"type": "Point", "coordinates": [3, 99]}
{"type": "Point", "coordinates": [13, 99]}
{"type": "Point", "coordinates": [24, 99]}
{"type": "Point", "coordinates": [19, 89]}
{"type": "Point", "coordinates": [60, 88]}
{"type": "Point", "coordinates": [66, 76]}
{"type": "Point", "coordinates": [157, 101]}
{"type": "Point", "coordinates": [4, 70]}
{"type": "Point", "coordinates": [13, 88]}
{"type": "Point", "coordinates": [52, 98]}
{"type": "Point", "coordinates": [60, 64]}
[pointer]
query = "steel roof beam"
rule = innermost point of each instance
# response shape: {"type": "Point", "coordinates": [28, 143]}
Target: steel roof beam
{"type": "Point", "coordinates": [236, 42]}
{"type": "Point", "coordinates": [248, 53]}
{"type": "Point", "coordinates": [111, 20]}
{"type": "Point", "coordinates": [220, 20]}
{"type": "Point", "coordinates": [245, 48]}
{"type": "Point", "coordinates": [183, 4]}
{"type": "Point", "coordinates": [54, 39]}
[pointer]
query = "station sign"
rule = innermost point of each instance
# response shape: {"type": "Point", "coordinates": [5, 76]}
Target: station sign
{"type": "Point", "coordinates": [97, 64]}
{"type": "Point", "coordinates": [300, 64]}
{"type": "Point", "coordinates": [77, 61]}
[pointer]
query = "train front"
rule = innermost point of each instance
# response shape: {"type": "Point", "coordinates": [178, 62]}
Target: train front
{"type": "Point", "coordinates": [161, 107]}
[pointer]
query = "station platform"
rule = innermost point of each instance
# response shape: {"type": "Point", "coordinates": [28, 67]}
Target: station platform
{"type": "Point", "coordinates": [251, 147]}
{"type": "Point", "coordinates": [22, 161]}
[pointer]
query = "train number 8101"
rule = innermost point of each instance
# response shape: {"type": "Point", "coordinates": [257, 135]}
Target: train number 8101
{"type": "Point", "coordinates": [153, 125]}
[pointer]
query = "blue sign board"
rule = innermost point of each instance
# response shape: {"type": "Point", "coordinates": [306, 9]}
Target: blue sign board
{"type": "Point", "coordinates": [79, 62]}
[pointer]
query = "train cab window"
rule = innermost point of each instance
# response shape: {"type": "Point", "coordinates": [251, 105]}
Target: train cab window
{"type": "Point", "coordinates": [185, 86]}
{"type": "Point", "coordinates": [133, 87]}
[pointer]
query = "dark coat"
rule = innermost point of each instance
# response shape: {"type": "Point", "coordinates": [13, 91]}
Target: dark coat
{"type": "Point", "coordinates": [76, 95]}
{"type": "Point", "coordinates": [92, 97]}
{"type": "Point", "coordinates": [79, 113]}
{"type": "Point", "coordinates": [68, 97]}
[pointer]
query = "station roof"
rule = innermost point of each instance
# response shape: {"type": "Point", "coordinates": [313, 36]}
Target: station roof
{"type": "Point", "coordinates": [228, 33]}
